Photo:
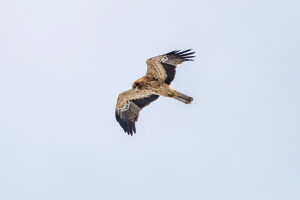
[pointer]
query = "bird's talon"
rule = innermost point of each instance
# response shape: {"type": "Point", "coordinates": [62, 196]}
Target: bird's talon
{"type": "Point", "coordinates": [170, 94]}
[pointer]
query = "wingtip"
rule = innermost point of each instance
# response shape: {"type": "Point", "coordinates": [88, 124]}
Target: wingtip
{"type": "Point", "coordinates": [132, 130]}
{"type": "Point", "coordinates": [181, 53]}
{"type": "Point", "coordinates": [128, 127]}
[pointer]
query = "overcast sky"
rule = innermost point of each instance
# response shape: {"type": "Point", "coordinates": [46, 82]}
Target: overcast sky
{"type": "Point", "coordinates": [63, 64]}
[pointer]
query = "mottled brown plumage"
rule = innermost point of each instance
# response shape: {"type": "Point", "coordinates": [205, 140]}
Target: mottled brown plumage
{"type": "Point", "coordinates": [161, 72]}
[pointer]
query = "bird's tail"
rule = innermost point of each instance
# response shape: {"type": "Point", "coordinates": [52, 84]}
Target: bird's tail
{"type": "Point", "coordinates": [183, 98]}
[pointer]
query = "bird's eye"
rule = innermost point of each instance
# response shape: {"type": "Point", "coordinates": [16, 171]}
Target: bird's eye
{"type": "Point", "coordinates": [135, 86]}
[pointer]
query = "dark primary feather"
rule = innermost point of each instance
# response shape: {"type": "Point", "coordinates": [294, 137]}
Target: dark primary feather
{"type": "Point", "coordinates": [174, 58]}
{"type": "Point", "coordinates": [127, 125]}
{"type": "Point", "coordinates": [181, 55]}
{"type": "Point", "coordinates": [127, 118]}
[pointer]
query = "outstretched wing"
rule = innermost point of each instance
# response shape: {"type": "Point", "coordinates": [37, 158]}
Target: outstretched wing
{"type": "Point", "coordinates": [129, 105]}
{"type": "Point", "coordinates": [163, 67]}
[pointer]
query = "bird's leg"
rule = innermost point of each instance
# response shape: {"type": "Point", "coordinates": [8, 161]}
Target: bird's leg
{"type": "Point", "coordinates": [166, 90]}
{"type": "Point", "coordinates": [170, 94]}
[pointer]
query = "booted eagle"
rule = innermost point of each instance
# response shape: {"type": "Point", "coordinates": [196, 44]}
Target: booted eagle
{"type": "Point", "coordinates": [160, 73]}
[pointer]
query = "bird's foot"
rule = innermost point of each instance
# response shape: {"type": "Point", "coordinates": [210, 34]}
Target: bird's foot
{"type": "Point", "coordinates": [170, 94]}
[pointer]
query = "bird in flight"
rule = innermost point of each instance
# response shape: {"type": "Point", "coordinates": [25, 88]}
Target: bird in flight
{"type": "Point", "coordinates": [161, 72]}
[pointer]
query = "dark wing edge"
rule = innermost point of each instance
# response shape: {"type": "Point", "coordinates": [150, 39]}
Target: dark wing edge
{"type": "Point", "coordinates": [170, 71]}
{"type": "Point", "coordinates": [128, 116]}
{"type": "Point", "coordinates": [172, 59]}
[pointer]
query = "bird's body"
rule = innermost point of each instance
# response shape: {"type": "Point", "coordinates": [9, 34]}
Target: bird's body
{"type": "Point", "coordinates": [160, 73]}
{"type": "Point", "coordinates": [147, 83]}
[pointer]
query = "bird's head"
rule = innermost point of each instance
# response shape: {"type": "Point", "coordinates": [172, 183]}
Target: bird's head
{"type": "Point", "coordinates": [136, 86]}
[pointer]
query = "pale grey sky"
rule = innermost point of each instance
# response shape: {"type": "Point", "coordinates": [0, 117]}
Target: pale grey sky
{"type": "Point", "coordinates": [63, 63]}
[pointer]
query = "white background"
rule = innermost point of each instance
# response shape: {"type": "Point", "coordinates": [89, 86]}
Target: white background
{"type": "Point", "coordinates": [63, 64]}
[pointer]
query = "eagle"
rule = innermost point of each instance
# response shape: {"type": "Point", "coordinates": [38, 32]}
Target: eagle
{"type": "Point", "coordinates": [156, 82]}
